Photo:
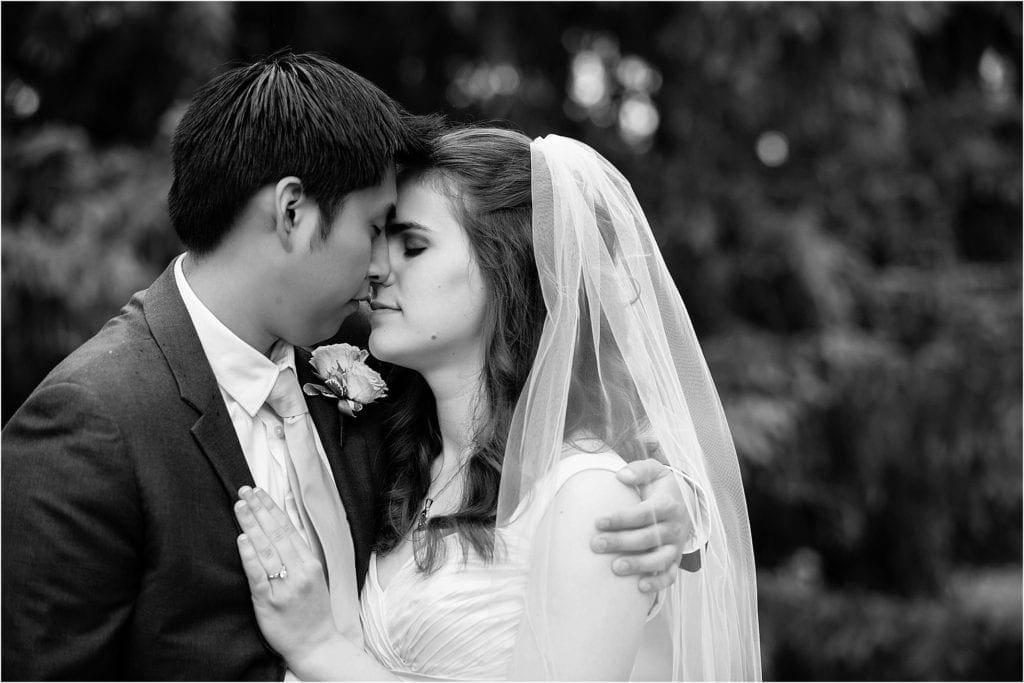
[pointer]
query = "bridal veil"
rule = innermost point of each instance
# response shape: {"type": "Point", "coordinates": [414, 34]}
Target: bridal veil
{"type": "Point", "coordinates": [619, 364]}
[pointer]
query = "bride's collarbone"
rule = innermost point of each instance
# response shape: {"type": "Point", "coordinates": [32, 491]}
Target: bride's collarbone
{"type": "Point", "coordinates": [390, 564]}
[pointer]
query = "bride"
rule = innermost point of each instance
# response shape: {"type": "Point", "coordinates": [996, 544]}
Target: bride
{"type": "Point", "coordinates": [545, 345]}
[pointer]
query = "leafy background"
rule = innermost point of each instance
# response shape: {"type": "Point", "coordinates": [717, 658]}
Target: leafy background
{"type": "Point", "coordinates": [836, 189]}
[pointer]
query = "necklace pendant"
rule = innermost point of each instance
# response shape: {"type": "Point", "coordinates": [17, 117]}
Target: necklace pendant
{"type": "Point", "coordinates": [423, 514]}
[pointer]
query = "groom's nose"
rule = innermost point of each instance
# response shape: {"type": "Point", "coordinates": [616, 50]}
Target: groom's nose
{"type": "Point", "coordinates": [380, 264]}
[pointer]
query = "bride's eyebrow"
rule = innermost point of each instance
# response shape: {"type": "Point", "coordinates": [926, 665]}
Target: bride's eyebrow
{"type": "Point", "coordinates": [397, 228]}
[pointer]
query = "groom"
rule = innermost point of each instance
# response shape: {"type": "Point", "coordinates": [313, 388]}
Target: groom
{"type": "Point", "coordinates": [120, 470]}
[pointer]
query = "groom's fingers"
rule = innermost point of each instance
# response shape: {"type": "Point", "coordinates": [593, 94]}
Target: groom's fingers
{"type": "Point", "coordinates": [644, 513]}
{"type": "Point", "coordinates": [637, 540]}
{"type": "Point", "coordinates": [641, 472]}
{"type": "Point", "coordinates": [659, 560]}
{"type": "Point", "coordinates": [657, 582]}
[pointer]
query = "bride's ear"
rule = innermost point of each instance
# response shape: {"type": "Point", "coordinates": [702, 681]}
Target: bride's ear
{"type": "Point", "coordinates": [290, 205]}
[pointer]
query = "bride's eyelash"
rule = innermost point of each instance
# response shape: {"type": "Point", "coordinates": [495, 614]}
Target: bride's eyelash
{"type": "Point", "coordinates": [413, 251]}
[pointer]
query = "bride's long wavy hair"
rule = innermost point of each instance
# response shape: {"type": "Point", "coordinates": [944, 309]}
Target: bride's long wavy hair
{"type": "Point", "coordinates": [486, 174]}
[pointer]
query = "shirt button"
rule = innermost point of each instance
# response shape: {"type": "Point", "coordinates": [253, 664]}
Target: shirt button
{"type": "Point", "coordinates": [279, 431]}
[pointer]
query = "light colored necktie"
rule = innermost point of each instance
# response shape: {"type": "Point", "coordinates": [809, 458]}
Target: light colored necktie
{"type": "Point", "coordinates": [318, 497]}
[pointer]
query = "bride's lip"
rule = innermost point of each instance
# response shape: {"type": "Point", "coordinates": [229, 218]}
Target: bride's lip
{"type": "Point", "coordinates": [377, 306]}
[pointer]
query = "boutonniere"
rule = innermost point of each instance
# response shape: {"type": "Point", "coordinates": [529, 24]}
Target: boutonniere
{"type": "Point", "coordinates": [346, 377]}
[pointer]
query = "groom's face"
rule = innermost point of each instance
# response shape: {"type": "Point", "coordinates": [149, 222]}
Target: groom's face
{"type": "Point", "coordinates": [330, 277]}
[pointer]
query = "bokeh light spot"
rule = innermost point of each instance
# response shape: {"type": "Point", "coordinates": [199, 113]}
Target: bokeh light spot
{"type": "Point", "coordinates": [588, 87]}
{"type": "Point", "coordinates": [22, 98]}
{"type": "Point", "coordinates": [483, 82]}
{"type": "Point", "coordinates": [638, 119]}
{"type": "Point", "coordinates": [993, 69]}
{"type": "Point", "coordinates": [772, 148]}
{"type": "Point", "coordinates": [637, 75]}
{"type": "Point", "coordinates": [505, 79]}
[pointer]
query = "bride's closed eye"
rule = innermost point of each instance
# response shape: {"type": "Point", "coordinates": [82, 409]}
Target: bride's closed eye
{"type": "Point", "coordinates": [412, 248]}
{"type": "Point", "coordinates": [408, 237]}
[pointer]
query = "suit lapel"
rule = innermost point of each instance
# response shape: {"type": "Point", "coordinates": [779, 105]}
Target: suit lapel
{"type": "Point", "coordinates": [176, 336]}
{"type": "Point", "coordinates": [218, 440]}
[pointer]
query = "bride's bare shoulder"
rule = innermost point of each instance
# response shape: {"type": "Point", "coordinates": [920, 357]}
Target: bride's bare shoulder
{"type": "Point", "coordinates": [586, 475]}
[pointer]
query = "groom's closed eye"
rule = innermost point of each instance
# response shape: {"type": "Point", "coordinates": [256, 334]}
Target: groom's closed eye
{"type": "Point", "coordinates": [379, 221]}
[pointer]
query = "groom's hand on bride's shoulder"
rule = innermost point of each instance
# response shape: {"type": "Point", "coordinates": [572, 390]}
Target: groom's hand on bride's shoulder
{"type": "Point", "coordinates": [659, 535]}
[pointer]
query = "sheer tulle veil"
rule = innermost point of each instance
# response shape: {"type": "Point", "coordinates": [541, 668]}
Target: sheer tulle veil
{"type": "Point", "coordinates": [619, 365]}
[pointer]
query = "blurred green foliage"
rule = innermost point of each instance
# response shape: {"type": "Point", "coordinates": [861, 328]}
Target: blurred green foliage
{"type": "Point", "coordinates": [836, 189]}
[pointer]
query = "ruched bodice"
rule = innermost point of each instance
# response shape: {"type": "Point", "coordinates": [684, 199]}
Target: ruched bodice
{"type": "Point", "coordinates": [461, 621]}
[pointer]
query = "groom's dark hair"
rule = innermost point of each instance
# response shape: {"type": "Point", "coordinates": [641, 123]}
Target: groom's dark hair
{"type": "Point", "coordinates": [288, 114]}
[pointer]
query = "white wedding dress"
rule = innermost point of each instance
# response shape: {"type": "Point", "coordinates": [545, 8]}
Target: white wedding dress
{"type": "Point", "coordinates": [461, 621]}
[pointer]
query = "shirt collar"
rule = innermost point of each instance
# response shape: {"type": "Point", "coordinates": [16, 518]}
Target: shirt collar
{"type": "Point", "coordinates": [242, 372]}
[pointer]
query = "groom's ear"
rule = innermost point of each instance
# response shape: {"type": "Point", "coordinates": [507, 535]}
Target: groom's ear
{"type": "Point", "coordinates": [290, 202]}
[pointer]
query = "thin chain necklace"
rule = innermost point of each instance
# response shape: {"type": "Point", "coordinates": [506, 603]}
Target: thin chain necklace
{"type": "Point", "coordinates": [427, 502]}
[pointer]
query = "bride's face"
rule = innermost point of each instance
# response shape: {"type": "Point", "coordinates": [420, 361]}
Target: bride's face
{"type": "Point", "coordinates": [430, 312]}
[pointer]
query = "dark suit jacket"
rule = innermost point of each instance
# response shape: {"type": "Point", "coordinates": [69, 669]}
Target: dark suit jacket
{"type": "Point", "coordinates": [119, 474]}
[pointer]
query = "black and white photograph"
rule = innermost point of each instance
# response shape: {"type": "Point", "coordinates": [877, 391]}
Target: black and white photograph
{"type": "Point", "coordinates": [479, 341]}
